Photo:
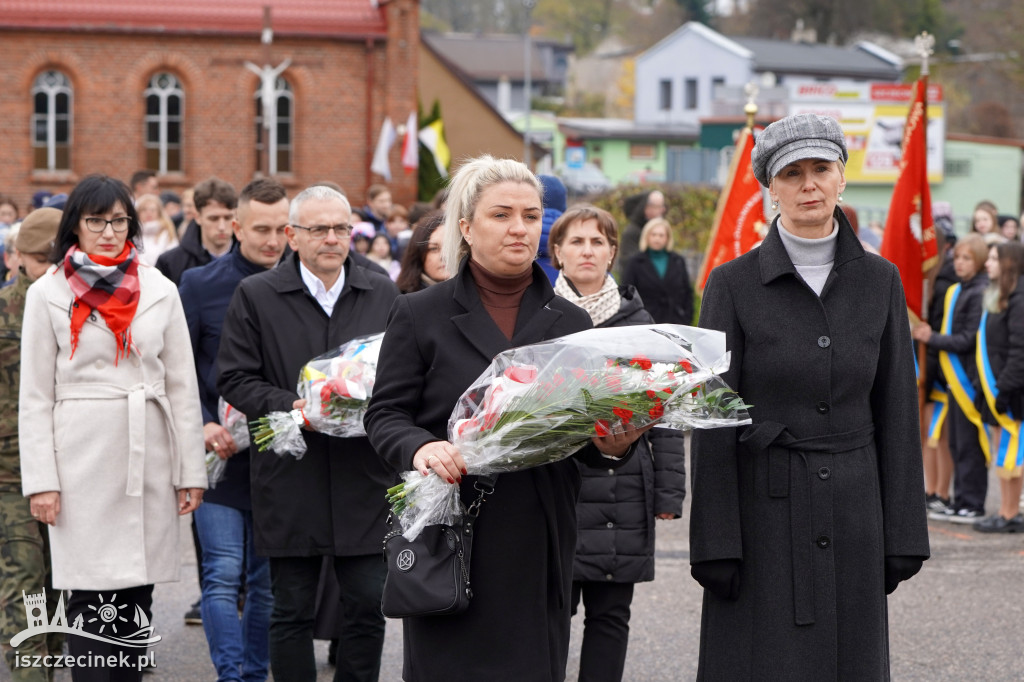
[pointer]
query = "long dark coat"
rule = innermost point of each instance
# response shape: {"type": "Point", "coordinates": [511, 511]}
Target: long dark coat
{"type": "Point", "coordinates": [668, 299]}
{"type": "Point", "coordinates": [330, 502]}
{"type": "Point", "coordinates": [617, 507]}
{"type": "Point", "coordinates": [811, 522]}
{"type": "Point", "coordinates": [516, 629]}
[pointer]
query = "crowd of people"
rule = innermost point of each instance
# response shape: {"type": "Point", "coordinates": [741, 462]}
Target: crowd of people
{"type": "Point", "coordinates": [132, 316]}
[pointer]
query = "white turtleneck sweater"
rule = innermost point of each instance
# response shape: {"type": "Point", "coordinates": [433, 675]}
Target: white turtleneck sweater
{"type": "Point", "coordinates": [812, 258]}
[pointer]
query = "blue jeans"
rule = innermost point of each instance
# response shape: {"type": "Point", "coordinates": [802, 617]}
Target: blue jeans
{"type": "Point", "coordinates": [238, 647]}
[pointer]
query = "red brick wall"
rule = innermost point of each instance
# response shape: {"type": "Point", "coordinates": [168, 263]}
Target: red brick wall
{"type": "Point", "coordinates": [329, 78]}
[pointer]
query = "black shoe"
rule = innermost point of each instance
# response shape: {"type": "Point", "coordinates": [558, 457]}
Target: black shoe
{"type": "Point", "coordinates": [193, 616]}
{"type": "Point", "coordinates": [967, 516]}
{"type": "Point", "coordinates": [937, 504]}
{"type": "Point", "coordinates": [997, 523]}
{"type": "Point", "coordinates": [947, 514]}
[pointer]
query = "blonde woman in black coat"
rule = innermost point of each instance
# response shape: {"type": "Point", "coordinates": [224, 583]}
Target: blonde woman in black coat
{"type": "Point", "coordinates": [438, 342]}
{"type": "Point", "coordinates": [803, 522]}
{"type": "Point", "coordinates": [617, 507]}
{"type": "Point", "coordinates": [659, 275]}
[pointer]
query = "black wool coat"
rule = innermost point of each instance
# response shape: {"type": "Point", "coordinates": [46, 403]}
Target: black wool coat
{"type": "Point", "coordinates": [825, 483]}
{"type": "Point", "coordinates": [668, 299]}
{"type": "Point", "coordinates": [330, 502]}
{"type": "Point", "coordinates": [617, 507]}
{"type": "Point", "coordinates": [516, 629]}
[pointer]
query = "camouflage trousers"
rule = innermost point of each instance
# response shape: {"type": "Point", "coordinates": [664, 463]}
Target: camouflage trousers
{"type": "Point", "coordinates": [24, 567]}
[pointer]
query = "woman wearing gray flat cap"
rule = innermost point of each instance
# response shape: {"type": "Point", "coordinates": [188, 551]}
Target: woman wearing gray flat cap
{"type": "Point", "coordinates": [804, 521]}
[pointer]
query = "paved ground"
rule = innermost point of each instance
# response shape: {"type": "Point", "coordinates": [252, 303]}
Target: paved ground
{"type": "Point", "coordinates": [960, 619]}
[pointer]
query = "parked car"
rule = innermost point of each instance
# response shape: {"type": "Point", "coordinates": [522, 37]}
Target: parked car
{"type": "Point", "coordinates": [587, 179]}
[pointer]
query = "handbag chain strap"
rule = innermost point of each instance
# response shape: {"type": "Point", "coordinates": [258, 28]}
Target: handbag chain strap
{"type": "Point", "coordinates": [485, 486]}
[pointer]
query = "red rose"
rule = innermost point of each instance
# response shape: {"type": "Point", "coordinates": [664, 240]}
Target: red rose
{"type": "Point", "coordinates": [652, 395]}
{"type": "Point", "coordinates": [686, 366]}
{"type": "Point", "coordinates": [579, 374]}
{"type": "Point", "coordinates": [522, 375]}
{"type": "Point", "coordinates": [623, 414]}
{"type": "Point", "coordinates": [657, 411]}
{"type": "Point", "coordinates": [602, 428]}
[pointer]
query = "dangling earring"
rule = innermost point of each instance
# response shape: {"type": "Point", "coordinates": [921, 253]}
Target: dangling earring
{"type": "Point", "coordinates": [840, 198]}
{"type": "Point", "coordinates": [775, 205]}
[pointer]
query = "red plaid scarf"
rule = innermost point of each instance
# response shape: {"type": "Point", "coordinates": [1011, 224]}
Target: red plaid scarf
{"type": "Point", "coordinates": [107, 285]}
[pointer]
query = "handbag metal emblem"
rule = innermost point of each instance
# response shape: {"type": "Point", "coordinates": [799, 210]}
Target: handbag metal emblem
{"type": "Point", "coordinates": [405, 560]}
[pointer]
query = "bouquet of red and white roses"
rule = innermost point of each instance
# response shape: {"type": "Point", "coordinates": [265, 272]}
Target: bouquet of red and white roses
{"type": "Point", "coordinates": [336, 387]}
{"type": "Point", "coordinates": [541, 403]}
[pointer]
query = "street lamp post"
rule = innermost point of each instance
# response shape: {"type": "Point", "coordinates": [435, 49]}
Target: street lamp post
{"type": "Point", "coordinates": [527, 82]}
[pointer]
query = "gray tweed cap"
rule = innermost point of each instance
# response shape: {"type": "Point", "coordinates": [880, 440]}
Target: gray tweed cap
{"type": "Point", "coordinates": [803, 136]}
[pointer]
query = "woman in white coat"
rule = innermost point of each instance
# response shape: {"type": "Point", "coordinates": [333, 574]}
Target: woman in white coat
{"type": "Point", "coordinates": [112, 444]}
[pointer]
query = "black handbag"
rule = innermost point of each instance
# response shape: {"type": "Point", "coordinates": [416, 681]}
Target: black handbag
{"type": "Point", "coordinates": [429, 576]}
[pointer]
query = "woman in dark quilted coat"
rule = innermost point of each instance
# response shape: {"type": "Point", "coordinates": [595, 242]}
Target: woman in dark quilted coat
{"type": "Point", "coordinates": [617, 507]}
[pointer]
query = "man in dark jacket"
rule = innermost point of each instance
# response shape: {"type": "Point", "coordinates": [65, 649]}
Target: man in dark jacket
{"type": "Point", "coordinates": [208, 236]}
{"type": "Point", "coordinates": [224, 522]}
{"type": "Point", "coordinates": [330, 502]}
{"type": "Point", "coordinates": [639, 208]}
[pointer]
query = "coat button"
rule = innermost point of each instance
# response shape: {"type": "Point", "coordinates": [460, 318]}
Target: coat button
{"type": "Point", "coordinates": [609, 576]}
{"type": "Point", "coordinates": [135, 361]}
{"type": "Point", "coordinates": [610, 524]}
{"type": "Point", "coordinates": [823, 541]}
{"type": "Point", "coordinates": [611, 472]}
{"type": "Point", "coordinates": [99, 364]}
{"type": "Point", "coordinates": [824, 473]}
{"type": "Point", "coordinates": [824, 341]}
{"type": "Point", "coordinates": [822, 407]}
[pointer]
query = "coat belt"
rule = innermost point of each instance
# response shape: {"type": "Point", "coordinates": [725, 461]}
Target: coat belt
{"type": "Point", "coordinates": [788, 477]}
{"type": "Point", "coordinates": [137, 396]}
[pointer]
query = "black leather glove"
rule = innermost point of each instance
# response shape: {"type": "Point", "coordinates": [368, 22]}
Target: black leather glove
{"type": "Point", "coordinates": [1002, 402]}
{"type": "Point", "coordinates": [720, 577]}
{"type": "Point", "coordinates": [900, 568]}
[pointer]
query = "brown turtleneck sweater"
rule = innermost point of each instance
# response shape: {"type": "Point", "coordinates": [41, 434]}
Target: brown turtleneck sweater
{"type": "Point", "coordinates": [501, 296]}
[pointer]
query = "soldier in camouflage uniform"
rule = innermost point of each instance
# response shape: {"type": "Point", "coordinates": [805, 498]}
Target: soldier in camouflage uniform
{"type": "Point", "coordinates": [24, 548]}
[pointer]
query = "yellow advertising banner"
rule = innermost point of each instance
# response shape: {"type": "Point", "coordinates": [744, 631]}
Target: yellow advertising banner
{"type": "Point", "coordinates": [872, 116]}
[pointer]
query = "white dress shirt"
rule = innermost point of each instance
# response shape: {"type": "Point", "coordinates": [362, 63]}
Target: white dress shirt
{"type": "Point", "coordinates": [324, 296]}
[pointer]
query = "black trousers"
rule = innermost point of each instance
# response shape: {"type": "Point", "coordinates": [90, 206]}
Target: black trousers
{"type": "Point", "coordinates": [605, 628]}
{"type": "Point", "coordinates": [109, 613]}
{"type": "Point", "coordinates": [970, 472]}
{"type": "Point", "coordinates": [293, 581]}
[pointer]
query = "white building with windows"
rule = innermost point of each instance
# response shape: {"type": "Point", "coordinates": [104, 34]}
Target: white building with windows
{"type": "Point", "coordinates": [676, 79]}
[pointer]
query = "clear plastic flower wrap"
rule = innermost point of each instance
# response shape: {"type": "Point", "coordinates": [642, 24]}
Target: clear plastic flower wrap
{"type": "Point", "coordinates": [541, 403]}
{"type": "Point", "coordinates": [235, 423]}
{"type": "Point", "coordinates": [215, 468]}
{"type": "Point", "coordinates": [336, 387]}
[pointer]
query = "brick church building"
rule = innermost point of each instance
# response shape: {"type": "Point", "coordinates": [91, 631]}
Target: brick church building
{"type": "Point", "coordinates": [115, 86]}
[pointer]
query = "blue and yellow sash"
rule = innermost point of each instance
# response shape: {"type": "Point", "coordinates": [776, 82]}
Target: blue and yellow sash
{"type": "Point", "coordinates": [956, 377]}
{"type": "Point", "coordinates": [939, 412]}
{"type": "Point", "coordinates": [1010, 456]}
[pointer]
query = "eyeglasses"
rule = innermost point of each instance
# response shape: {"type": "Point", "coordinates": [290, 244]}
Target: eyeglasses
{"type": "Point", "coordinates": [320, 231]}
{"type": "Point", "coordinates": [97, 224]}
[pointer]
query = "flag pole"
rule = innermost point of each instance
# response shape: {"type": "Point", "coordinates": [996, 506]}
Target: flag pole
{"type": "Point", "coordinates": [750, 109]}
{"type": "Point", "coordinates": [924, 44]}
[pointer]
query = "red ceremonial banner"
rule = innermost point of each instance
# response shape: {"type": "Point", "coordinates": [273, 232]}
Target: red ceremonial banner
{"type": "Point", "coordinates": [909, 239]}
{"type": "Point", "coordinates": [739, 219]}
